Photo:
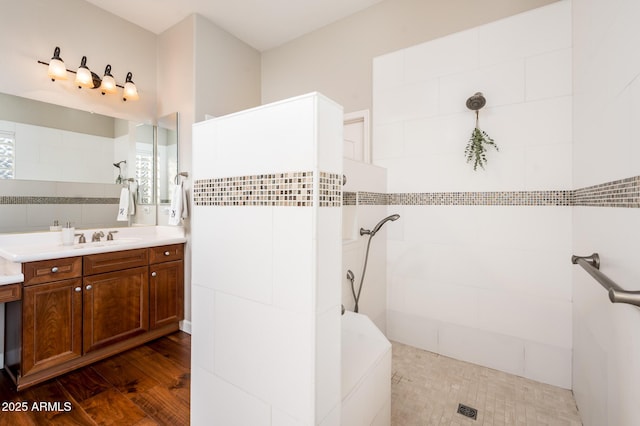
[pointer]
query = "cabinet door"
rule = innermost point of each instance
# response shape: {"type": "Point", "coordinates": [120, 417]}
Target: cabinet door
{"type": "Point", "coordinates": [116, 307]}
{"type": "Point", "coordinates": [167, 293]}
{"type": "Point", "coordinates": [52, 324]}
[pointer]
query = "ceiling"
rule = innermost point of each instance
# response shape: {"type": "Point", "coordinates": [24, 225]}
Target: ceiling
{"type": "Point", "coordinates": [263, 24]}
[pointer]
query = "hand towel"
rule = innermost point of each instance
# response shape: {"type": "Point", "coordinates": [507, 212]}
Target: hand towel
{"type": "Point", "coordinates": [132, 199]}
{"type": "Point", "coordinates": [175, 211]}
{"type": "Point", "coordinates": [185, 203]}
{"type": "Point", "coordinates": [123, 207]}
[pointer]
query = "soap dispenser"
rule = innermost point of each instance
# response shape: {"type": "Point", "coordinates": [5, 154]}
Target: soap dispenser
{"type": "Point", "coordinates": [68, 234]}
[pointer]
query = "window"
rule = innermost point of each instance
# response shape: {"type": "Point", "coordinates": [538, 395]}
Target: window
{"type": "Point", "coordinates": [144, 176]}
{"type": "Point", "coordinates": [7, 155]}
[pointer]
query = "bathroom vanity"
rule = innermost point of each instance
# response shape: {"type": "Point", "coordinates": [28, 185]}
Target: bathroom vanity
{"type": "Point", "coordinates": [89, 301]}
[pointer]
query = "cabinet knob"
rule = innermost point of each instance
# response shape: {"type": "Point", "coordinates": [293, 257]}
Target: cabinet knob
{"type": "Point", "coordinates": [153, 274]}
{"type": "Point", "coordinates": [54, 269]}
{"type": "Point", "coordinates": [88, 287]}
{"type": "Point", "coordinates": [78, 289]}
{"type": "Point", "coordinates": [167, 253]}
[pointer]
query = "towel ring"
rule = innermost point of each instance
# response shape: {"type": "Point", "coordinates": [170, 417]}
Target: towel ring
{"type": "Point", "coordinates": [183, 174]}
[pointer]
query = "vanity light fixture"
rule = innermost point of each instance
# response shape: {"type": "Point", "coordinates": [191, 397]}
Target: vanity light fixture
{"type": "Point", "coordinates": [108, 84]}
{"type": "Point", "coordinates": [88, 79]}
{"type": "Point", "coordinates": [84, 76]}
{"type": "Point", "coordinates": [57, 69]}
{"type": "Point", "coordinates": [130, 90]}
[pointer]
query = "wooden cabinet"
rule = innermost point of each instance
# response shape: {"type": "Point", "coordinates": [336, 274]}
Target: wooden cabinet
{"type": "Point", "coordinates": [10, 292]}
{"type": "Point", "coordinates": [116, 307]}
{"type": "Point", "coordinates": [166, 285]}
{"type": "Point", "coordinates": [52, 324]}
{"type": "Point", "coordinates": [75, 311]}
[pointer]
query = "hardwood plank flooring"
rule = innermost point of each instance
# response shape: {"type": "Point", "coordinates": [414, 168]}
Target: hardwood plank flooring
{"type": "Point", "coordinates": [148, 385]}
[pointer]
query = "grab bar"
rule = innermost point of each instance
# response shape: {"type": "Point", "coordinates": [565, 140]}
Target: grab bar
{"type": "Point", "coordinates": [591, 264]}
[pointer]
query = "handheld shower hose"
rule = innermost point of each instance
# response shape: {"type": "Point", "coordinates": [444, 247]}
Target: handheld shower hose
{"type": "Point", "coordinates": [370, 233]}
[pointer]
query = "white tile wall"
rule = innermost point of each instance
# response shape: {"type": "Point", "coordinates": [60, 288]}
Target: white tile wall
{"type": "Point", "coordinates": [486, 284]}
{"type": "Point", "coordinates": [266, 303]}
{"type": "Point", "coordinates": [373, 299]}
{"type": "Point", "coordinates": [257, 347]}
{"type": "Point", "coordinates": [605, 75]}
{"type": "Point", "coordinates": [214, 401]}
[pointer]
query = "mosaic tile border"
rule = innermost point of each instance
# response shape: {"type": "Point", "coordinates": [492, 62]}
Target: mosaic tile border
{"type": "Point", "coordinates": [11, 199]}
{"type": "Point", "coordinates": [618, 193]}
{"type": "Point", "coordinates": [623, 193]}
{"type": "Point", "coordinates": [294, 189]}
{"type": "Point", "coordinates": [330, 190]}
{"type": "Point", "coordinates": [349, 198]}
{"type": "Point", "coordinates": [502, 198]}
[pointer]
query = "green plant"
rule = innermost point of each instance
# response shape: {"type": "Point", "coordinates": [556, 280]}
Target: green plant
{"type": "Point", "coordinates": [477, 148]}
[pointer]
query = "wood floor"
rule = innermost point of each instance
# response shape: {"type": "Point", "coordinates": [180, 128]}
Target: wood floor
{"type": "Point", "coordinates": [148, 385]}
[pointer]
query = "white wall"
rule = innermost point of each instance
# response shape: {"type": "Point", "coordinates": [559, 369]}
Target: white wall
{"type": "Point", "coordinates": [195, 81]}
{"type": "Point", "coordinates": [35, 28]}
{"type": "Point", "coordinates": [266, 296]}
{"type": "Point", "coordinates": [488, 284]}
{"type": "Point", "coordinates": [606, 86]}
{"type": "Point", "coordinates": [336, 59]}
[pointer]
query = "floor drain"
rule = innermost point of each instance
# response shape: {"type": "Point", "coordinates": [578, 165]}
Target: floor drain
{"type": "Point", "coordinates": [472, 413]}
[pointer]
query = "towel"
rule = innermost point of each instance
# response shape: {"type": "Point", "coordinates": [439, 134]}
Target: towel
{"type": "Point", "coordinates": [123, 207]}
{"type": "Point", "coordinates": [179, 209]}
{"type": "Point", "coordinates": [132, 198]}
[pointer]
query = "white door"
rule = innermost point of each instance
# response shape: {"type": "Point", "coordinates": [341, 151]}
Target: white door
{"type": "Point", "coordinates": [356, 136]}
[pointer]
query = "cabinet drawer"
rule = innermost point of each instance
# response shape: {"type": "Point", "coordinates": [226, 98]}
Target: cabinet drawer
{"type": "Point", "coordinates": [51, 270]}
{"type": "Point", "coordinates": [115, 261]}
{"type": "Point", "coordinates": [166, 253]}
{"type": "Point", "coordinates": [10, 292]}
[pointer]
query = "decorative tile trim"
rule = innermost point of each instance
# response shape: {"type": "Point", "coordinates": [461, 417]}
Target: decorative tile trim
{"type": "Point", "coordinates": [618, 193]}
{"type": "Point", "coordinates": [503, 198]}
{"type": "Point", "coordinates": [11, 199]}
{"type": "Point", "coordinates": [372, 198]}
{"type": "Point", "coordinates": [349, 198]}
{"type": "Point", "coordinates": [275, 189]}
{"type": "Point", "coordinates": [330, 190]}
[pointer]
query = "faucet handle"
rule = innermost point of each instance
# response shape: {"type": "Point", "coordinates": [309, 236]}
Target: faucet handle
{"type": "Point", "coordinates": [82, 239]}
{"type": "Point", "coordinates": [110, 235]}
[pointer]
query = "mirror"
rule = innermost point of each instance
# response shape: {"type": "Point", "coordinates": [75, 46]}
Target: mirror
{"type": "Point", "coordinates": [145, 155]}
{"type": "Point", "coordinates": [53, 145]}
{"type": "Point", "coordinates": [157, 160]}
{"type": "Point", "coordinates": [167, 155]}
{"type": "Point", "coordinates": [47, 142]}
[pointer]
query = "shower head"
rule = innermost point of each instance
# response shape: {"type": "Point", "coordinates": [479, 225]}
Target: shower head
{"type": "Point", "coordinates": [119, 163]}
{"type": "Point", "coordinates": [379, 225]}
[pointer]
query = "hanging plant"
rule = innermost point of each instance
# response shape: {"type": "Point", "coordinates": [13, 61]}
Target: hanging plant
{"type": "Point", "coordinates": [476, 150]}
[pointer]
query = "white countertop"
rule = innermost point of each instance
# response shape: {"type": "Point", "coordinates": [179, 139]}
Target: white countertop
{"type": "Point", "coordinates": [10, 273]}
{"type": "Point", "coordinates": [16, 249]}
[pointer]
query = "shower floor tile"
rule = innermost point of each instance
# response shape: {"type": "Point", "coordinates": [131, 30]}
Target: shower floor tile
{"type": "Point", "coordinates": [426, 389]}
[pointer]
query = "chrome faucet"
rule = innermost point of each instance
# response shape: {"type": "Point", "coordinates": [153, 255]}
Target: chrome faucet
{"type": "Point", "coordinates": [96, 236]}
